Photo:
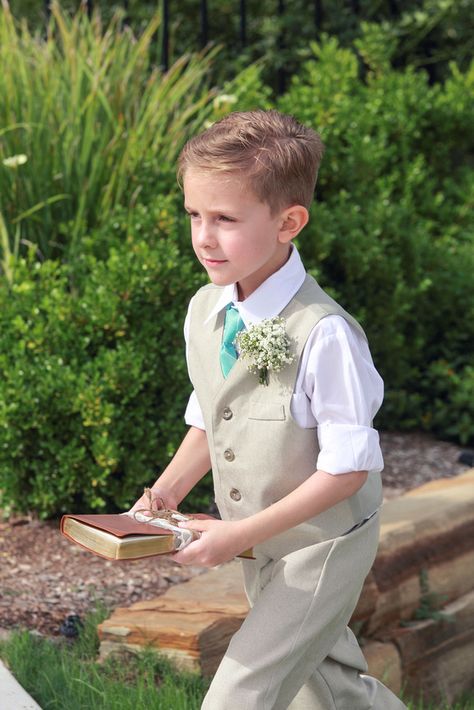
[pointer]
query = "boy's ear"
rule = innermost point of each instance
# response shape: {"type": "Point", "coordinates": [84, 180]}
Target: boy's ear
{"type": "Point", "coordinates": [293, 219]}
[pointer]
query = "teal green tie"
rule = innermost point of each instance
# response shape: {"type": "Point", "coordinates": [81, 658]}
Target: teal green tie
{"type": "Point", "coordinates": [233, 323]}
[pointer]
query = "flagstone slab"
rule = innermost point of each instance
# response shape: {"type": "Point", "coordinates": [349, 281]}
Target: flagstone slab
{"type": "Point", "coordinates": [192, 623]}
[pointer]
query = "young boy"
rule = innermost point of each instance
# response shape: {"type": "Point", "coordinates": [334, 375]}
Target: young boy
{"type": "Point", "coordinates": [296, 463]}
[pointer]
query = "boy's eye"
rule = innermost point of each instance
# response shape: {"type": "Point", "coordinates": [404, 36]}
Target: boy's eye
{"type": "Point", "coordinates": [221, 217]}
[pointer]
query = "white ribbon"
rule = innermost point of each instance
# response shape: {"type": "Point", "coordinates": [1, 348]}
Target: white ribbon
{"type": "Point", "coordinates": [183, 537]}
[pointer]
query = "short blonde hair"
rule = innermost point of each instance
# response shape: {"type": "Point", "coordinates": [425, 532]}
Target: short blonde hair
{"type": "Point", "coordinates": [277, 157]}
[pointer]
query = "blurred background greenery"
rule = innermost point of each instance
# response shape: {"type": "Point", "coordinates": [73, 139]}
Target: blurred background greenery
{"type": "Point", "coordinates": [96, 268]}
{"type": "Point", "coordinates": [427, 33]}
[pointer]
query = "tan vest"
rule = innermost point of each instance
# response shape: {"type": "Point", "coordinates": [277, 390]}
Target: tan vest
{"type": "Point", "coordinates": [259, 453]}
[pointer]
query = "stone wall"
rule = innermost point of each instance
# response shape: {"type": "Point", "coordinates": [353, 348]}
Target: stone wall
{"type": "Point", "coordinates": [415, 617]}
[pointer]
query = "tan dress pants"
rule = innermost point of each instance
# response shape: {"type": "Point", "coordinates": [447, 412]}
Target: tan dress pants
{"type": "Point", "coordinates": [294, 649]}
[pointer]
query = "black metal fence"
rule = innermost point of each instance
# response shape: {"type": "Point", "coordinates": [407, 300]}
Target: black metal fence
{"type": "Point", "coordinates": [314, 11]}
{"type": "Point", "coordinates": [315, 16]}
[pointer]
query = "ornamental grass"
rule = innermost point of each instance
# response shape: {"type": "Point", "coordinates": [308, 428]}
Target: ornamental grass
{"type": "Point", "coordinates": [88, 108]}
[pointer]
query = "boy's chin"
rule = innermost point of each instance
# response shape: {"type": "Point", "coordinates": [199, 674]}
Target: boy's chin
{"type": "Point", "coordinates": [219, 280]}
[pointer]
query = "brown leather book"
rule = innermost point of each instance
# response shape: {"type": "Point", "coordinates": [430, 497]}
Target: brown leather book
{"type": "Point", "coordinates": [120, 537]}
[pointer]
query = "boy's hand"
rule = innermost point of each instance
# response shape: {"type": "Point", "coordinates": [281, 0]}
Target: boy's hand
{"type": "Point", "coordinates": [159, 499]}
{"type": "Point", "coordinates": [220, 541]}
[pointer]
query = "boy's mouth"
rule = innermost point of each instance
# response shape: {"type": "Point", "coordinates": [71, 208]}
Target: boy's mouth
{"type": "Point", "coordinates": [214, 262]}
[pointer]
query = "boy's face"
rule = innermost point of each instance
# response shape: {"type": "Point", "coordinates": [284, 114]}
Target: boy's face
{"type": "Point", "coordinates": [234, 235]}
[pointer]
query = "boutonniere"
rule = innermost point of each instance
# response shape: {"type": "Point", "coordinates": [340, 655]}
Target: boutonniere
{"type": "Point", "coordinates": [267, 347]}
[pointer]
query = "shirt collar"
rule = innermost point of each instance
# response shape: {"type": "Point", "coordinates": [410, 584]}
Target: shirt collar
{"type": "Point", "coordinates": [270, 298]}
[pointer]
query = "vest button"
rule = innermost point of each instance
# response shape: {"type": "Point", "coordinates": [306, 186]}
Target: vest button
{"type": "Point", "coordinates": [227, 413]}
{"type": "Point", "coordinates": [229, 455]}
{"type": "Point", "coordinates": [235, 494]}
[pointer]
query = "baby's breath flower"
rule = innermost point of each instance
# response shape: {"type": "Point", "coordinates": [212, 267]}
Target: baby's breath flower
{"type": "Point", "coordinates": [267, 346]}
{"type": "Point", "coordinates": [15, 160]}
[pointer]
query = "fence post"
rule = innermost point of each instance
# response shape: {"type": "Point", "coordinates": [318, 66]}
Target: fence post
{"type": "Point", "coordinates": [89, 7]}
{"type": "Point", "coordinates": [204, 23]}
{"type": "Point", "coordinates": [281, 47]}
{"type": "Point", "coordinates": [165, 22]}
{"type": "Point", "coordinates": [318, 15]}
{"type": "Point", "coordinates": [394, 11]}
{"type": "Point", "coordinates": [126, 17]}
{"type": "Point", "coordinates": [243, 23]}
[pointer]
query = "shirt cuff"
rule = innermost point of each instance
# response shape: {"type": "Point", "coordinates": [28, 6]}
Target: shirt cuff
{"type": "Point", "coordinates": [345, 448]}
{"type": "Point", "coordinates": [193, 414]}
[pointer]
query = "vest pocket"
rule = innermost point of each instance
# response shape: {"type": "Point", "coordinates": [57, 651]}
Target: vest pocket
{"type": "Point", "coordinates": [270, 411]}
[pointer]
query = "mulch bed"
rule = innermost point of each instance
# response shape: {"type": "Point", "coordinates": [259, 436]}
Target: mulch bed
{"type": "Point", "coordinates": [44, 578]}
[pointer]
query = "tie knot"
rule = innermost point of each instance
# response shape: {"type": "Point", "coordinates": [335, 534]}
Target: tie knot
{"type": "Point", "coordinates": [233, 323]}
{"type": "Point", "coordinates": [232, 318]}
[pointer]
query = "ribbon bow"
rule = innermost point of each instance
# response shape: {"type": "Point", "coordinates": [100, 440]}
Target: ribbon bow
{"type": "Point", "coordinates": [166, 518]}
{"type": "Point", "coordinates": [162, 513]}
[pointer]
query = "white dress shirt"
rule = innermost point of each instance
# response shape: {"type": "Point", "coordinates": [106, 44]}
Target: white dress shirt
{"type": "Point", "coordinates": [340, 406]}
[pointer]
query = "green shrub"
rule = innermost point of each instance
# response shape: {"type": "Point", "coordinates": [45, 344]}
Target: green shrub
{"type": "Point", "coordinates": [390, 236]}
{"type": "Point", "coordinates": [93, 380]}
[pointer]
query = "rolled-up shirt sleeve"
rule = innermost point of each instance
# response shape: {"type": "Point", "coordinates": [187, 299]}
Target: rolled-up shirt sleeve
{"type": "Point", "coordinates": [345, 448]}
{"type": "Point", "coordinates": [345, 392]}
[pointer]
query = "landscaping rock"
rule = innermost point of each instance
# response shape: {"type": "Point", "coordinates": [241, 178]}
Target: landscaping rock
{"type": "Point", "coordinates": [384, 663]}
{"type": "Point", "coordinates": [192, 623]}
{"type": "Point", "coordinates": [437, 654]}
{"type": "Point", "coordinates": [431, 530]}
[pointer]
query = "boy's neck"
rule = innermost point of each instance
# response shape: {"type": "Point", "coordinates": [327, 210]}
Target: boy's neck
{"type": "Point", "coordinates": [246, 290]}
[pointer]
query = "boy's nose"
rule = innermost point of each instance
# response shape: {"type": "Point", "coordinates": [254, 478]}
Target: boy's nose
{"type": "Point", "coordinates": [204, 235]}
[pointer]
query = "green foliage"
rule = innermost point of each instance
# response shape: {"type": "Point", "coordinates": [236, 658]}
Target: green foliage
{"type": "Point", "coordinates": [450, 410]}
{"type": "Point", "coordinates": [60, 675]}
{"type": "Point", "coordinates": [428, 33]}
{"type": "Point", "coordinates": [93, 379]}
{"type": "Point", "coordinates": [90, 111]}
{"type": "Point", "coordinates": [465, 702]}
{"type": "Point", "coordinates": [430, 603]}
{"type": "Point", "coordinates": [391, 236]}
{"type": "Point", "coordinates": [91, 351]}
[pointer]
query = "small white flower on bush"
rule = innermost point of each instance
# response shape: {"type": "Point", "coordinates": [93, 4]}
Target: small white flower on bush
{"type": "Point", "coordinates": [15, 160]}
{"type": "Point", "coordinates": [267, 347]}
{"type": "Point", "coordinates": [224, 99]}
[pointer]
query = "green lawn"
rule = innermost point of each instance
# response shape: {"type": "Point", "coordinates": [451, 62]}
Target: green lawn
{"type": "Point", "coordinates": [66, 674]}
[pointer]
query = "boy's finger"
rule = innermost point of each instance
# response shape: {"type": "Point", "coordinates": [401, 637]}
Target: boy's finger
{"type": "Point", "coordinates": [187, 554]}
{"type": "Point", "coordinates": [198, 525]}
